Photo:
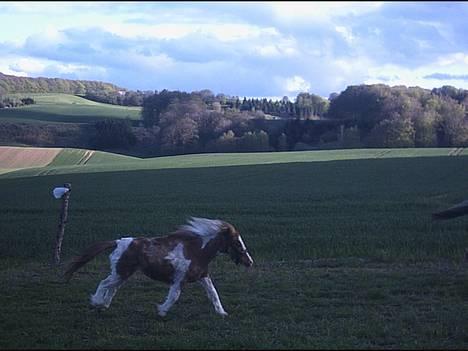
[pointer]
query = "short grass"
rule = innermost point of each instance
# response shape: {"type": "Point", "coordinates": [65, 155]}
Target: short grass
{"type": "Point", "coordinates": [274, 306]}
{"type": "Point", "coordinates": [346, 257]}
{"type": "Point", "coordinates": [64, 108]}
{"type": "Point", "coordinates": [68, 157]}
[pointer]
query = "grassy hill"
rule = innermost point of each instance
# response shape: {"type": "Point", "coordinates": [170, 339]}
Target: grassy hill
{"type": "Point", "coordinates": [35, 161]}
{"type": "Point", "coordinates": [346, 255]}
{"type": "Point", "coordinates": [68, 161]}
{"type": "Point", "coordinates": [65, 108]}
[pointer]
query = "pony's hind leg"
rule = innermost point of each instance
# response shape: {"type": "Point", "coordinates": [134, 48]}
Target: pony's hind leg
{"type": "Point", "coordinates": [106, 290]}
{"type": "Point", "coordinates": [122, 267]}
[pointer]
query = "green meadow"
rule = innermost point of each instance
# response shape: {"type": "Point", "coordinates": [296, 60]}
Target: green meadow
{"type": "Point", "coordinates": [65, 108]}
{"type": "Point", "coordinates": [346, 254]}
{"type": "Point", "coordinates": [68, 161]}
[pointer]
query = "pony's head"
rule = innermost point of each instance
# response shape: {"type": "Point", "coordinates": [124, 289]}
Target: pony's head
{"type": "Point", "coordinates": [230, 240]}
{"type": "Point", "coordinates": [234, 246]}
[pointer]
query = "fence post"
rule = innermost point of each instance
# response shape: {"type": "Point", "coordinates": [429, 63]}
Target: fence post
{"type": "Point", "coordinates": [64, 194]}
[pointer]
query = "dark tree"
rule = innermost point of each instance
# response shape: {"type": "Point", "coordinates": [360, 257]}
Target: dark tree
{"type": "Point", "coordinates": [114, 133]}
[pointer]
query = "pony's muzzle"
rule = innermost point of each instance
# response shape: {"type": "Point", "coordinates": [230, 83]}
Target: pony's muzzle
{"type": "Point", "coordinates": [247, 260]}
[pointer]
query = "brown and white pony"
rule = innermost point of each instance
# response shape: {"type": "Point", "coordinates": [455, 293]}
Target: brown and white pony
{"type": "Point", "coordinates": [180, 257]}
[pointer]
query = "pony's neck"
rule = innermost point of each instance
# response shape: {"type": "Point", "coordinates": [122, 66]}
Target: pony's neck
{"type": "Point", "coordinates": [214, 246]}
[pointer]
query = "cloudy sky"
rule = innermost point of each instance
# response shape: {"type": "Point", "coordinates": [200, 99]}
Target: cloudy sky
{"type": "Point", "coordinates": [239, 48]}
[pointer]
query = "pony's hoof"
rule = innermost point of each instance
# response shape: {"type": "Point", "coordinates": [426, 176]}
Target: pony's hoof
{"type": "Point", "coordinates": [224, 314]}
{"type": "Point", "coordinates": [161, 312]}
{"type": "Point", "coordinates": [97, 308]}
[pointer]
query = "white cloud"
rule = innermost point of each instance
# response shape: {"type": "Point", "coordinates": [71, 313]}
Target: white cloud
{"type": "Point", "coordinates": [69, 68]}
{"type": "Point", "coordinates": [28, 65]}
{"type": "Point", "coordinates": [296, 84]}
{"type": "Point", "coordinates": [46, 39]}
{"type": "Point", "coordinates": [224, 32]}
{"type": "Point", "coordinates": [320, 10]}
{"type": "Point", "coordinates": [6, 70]}
{"type": "Point", "coordinates": [282, 48]}
{"type": "Point", "coordinates": [232, 32]}
{"type": "Point", "coordinates": [154, 63]}
{"type": "Point", "coordinates": [346, 33]}
{"type": "Point", "coordinates": [399, 75]}
{"type": "Point", "coordinates": [272, 44]}
{"type": "Point", "coordinates": [34, 67]}
{"type": "Point", "coordinates": [269, 48]}
{"type": "Point", "coordinates": [454, 58]}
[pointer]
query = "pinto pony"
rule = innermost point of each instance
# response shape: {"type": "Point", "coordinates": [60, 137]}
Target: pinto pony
{"type": "Point", "coordinates": [177, 258]}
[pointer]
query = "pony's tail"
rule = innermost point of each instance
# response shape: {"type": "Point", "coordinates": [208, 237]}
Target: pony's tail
{"type": "Point", "coordinates": [91, 252]}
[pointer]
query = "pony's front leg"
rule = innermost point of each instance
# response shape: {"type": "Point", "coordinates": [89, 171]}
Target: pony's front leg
{"type": "Point", "coordinates": [213, 295]}
{"type": "Point", "coordinates": [172, 297]}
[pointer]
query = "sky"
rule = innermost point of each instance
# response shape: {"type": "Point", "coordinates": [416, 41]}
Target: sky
{"type": "Point", "coordinates": [254, 49]}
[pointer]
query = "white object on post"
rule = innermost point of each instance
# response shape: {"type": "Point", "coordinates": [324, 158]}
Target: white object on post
{"type": "Point", "coordinates": [59, 192]}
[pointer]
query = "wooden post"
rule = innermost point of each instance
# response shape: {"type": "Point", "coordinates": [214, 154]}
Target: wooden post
{"type": "Point", "coordinates": [63, 220]}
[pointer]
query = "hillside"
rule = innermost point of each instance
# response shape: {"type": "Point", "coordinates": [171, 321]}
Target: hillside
{"type": "Point", "coordinates": [65, 108]}
{"type": "Point", "coordinates": [15, 84]}
{"type": "Point", "coordinates": [23, 157]}
{"type": "Point", "coordinates": [47, 159]}
{"type": "Point", "coordinates": [85, 161]}
{"type": "Point", "coordinates": [177, 122]}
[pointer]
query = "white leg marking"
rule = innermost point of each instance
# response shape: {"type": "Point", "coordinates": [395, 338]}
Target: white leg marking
{"type": "Point", "coordinates": [181, 266]}
{"type": "Point", "coordinates": [172, 297]}
{"type": "Point", "coordinates": [106, 291]}
{"type": "Point", "coordinates": [213, 295]}
{"type": "Point", "coordinates": [108, 287]}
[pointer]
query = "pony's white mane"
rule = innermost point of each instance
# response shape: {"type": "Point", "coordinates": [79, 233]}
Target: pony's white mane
{"type": "Point", "coordinates": [203, 227]}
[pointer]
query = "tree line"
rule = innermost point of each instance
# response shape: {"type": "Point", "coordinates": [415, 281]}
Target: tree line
{"type": "Point", "coordinates": [383, 116]}
{"type": "Point", "coordinates": [14, 84]}
{"type": "Point", "coordinates": [360, 116]}
{"type": "Point", "coordinates": [306, 105]}
{"type": "Point", "coordinates": [180, 122]}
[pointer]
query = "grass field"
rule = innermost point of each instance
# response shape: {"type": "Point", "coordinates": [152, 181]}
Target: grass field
{"type": "Point", "coordinates": [68, 161]}
{"type": "Point", "coordinates": [41, 161]}
{"type": "Point", "coordinates": [346, 253]}
{"type": "Point", "coordinates": [64, 108]}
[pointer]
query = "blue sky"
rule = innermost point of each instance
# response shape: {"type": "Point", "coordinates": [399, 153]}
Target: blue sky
{"type": "Point", "coordinates": [257, 49]}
